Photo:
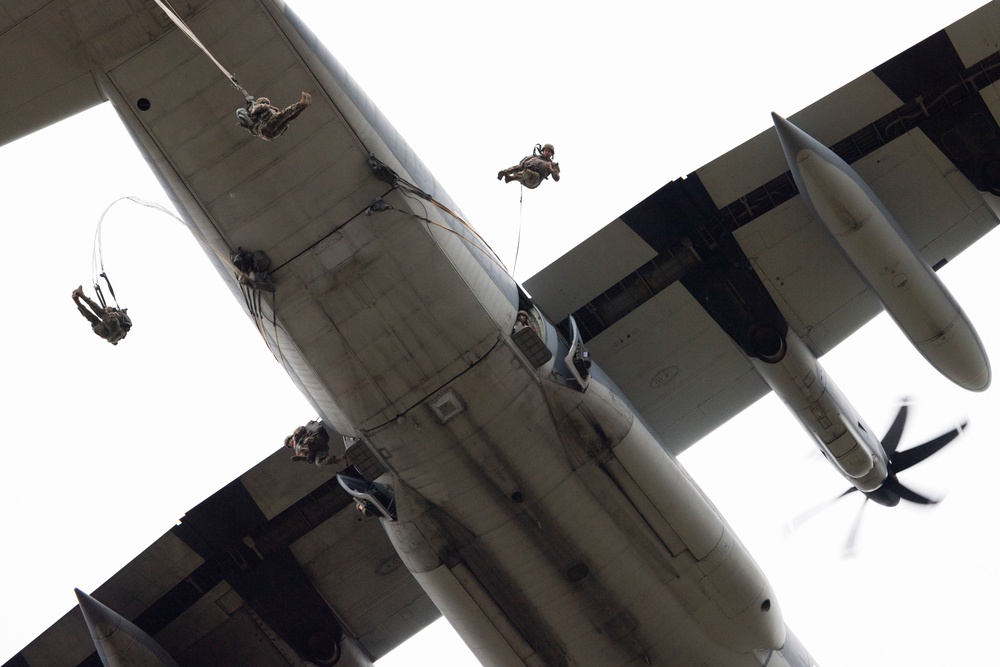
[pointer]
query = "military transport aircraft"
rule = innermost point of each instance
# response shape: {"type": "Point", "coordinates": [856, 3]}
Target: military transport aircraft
{"type": "Point", "coordinates": [550, 558]}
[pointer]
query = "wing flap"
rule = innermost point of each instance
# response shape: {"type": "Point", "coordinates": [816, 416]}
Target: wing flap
{"type": "Point", "coordinates": [681, 371]}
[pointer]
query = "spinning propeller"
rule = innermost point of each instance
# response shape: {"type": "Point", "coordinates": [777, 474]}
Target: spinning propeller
{"type": "Point", "coordinates": [892, 490]}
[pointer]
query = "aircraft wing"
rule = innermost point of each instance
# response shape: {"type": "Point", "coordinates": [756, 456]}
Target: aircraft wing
{"type": "Point", "coordinates": [283, 541]}
{"type": "Point", "coordinates": [921, 129]}
{"type": "Point", "coordinates": [281, 546]}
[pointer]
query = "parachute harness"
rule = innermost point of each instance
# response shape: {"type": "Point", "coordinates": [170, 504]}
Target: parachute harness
{"type": "Point", "coordinates": [100, 293]}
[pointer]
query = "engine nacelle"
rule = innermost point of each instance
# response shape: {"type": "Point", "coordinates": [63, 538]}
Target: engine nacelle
{"type": "Point", "coordinates": [797, 377]}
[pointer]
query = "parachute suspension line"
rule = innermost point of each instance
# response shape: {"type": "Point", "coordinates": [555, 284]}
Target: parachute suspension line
{"type": "Point", "coordinates": [520, 226]}
{"type": "Point", "coordinates": [97, 258]}
{"type": "Point", "coordinates": [251, 298]}
{"type": "Point", "coordinates": [100, 294]}
{"type": "Point", "coordinates": [489, 252]}
{"type": "Point", "coordinates": [172, 15]}
{"type": "Point", "coordinates": [253, 302]}
{"type": "Point", "coordinates": [274, 322]}
{"type": "Point", "coordinates": [385, 173]}
{"type": "Point", "coordinates": [97, 261]}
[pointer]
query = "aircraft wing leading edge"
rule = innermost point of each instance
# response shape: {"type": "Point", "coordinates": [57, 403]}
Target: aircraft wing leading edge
{"type": "Point", "coordinates": [271, 550]}
{"type": "Point", "coordinates": [264, 558]}
{"type": "Point", "coordinates": [280, 523]}
{"type": "Point", "coordinates": [282, 544]}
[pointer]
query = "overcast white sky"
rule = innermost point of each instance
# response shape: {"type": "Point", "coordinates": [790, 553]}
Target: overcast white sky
{"type": "Point", "coordinates": [108, 447]}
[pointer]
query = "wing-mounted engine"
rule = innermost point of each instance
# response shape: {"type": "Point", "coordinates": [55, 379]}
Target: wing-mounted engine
{"type": "Point", "coordinates": [727, 287]}
{"type": "Point", "coordinates": [869, 464]}
{"type": "Point", "coordinates": [797, 377]}
{"type": "Point", "coordinates": [892, 490]}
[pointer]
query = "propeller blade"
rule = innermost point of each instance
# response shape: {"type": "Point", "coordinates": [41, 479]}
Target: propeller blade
{"type": "Point", "coordinates": [909, 494]}
{"type": "Point", "coordinates": [904, 460]}
{"type": "Point", "coordinates": [852, 537]}
{"type": "Point", "coordinates": [891, 439]}
{"type": "Point", "coordinates": [794, 524]}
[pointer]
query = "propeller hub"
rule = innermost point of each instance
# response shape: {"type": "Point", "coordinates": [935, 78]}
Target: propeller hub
{"type": "Point", "coordinates": [885, 494]}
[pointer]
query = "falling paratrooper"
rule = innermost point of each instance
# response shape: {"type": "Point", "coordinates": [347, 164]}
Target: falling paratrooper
{"type": "Point", "coordinates": [109, 322]}
{"type": "Point", "coordinates": [533, 169]}
{"type": "Point", "coordinates": [259, 117]}
{"type": "Point", "coordinates": [264, 120]}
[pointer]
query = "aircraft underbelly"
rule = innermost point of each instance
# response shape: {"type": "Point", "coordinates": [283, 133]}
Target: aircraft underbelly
{"type": "Point", "coordinates": [554, 512]}
{"type": "Point", "coordinates": [382, 315]}
{"type": "Point", "coordinates": [557, 515]}
{"type": "Point", "coordinates": [373, 311]}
